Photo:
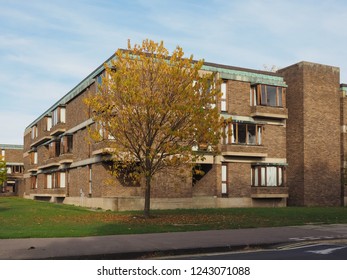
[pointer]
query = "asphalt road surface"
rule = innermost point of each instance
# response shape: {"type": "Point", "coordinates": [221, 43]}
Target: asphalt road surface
{"type": "Point", "coordinates": [334, 250]}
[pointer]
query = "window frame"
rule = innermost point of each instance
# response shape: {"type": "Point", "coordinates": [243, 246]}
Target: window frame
{"type": "Point", "coordinates": [233, 137]}
{"type": "Point", "coordinates": [257, 95]}
{"type": "Point", "coordinates": [224, 179]}
{"type": "Point", "coordinates": [224, 97]}
{"type": "Point", "coordinates": [260, 176]}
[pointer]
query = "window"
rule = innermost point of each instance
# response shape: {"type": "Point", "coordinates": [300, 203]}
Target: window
{"type": "Point", "coordinates": [49, 181]}
{"type": "Point", "coordinates": [266, 95]}
{"type": "Point", "coordinates": [223, 102]}
{"type": "Point", "coordinates": [67, 142]}
{"type": "Point", "coordinates": [199, 171]}
{"type": "Point", "coordinates": [224, 175]}
{"type": "Point", "coordinates": [62, 179]}
{"type": "Point", "coordinates": [242, 133]}
{"type": "Point", "coordinates": [34, 132]}
{"type": "Point", "coordinates": [54, 149]}
{"type": "Point", "coordinates": [17, 169]}
{"type": "Point", "coordinates": [105, 135]}
{"type": "Point", "coordinates": [58, 116]}
{"type": "Point", "coordinates": [33, 158]}
{"type": "Point", "coordinates": [3, 154]}
{"type": "Point", "coordinates": [268, 176]}
{"type": "Point", "coordinates": [48, 123]}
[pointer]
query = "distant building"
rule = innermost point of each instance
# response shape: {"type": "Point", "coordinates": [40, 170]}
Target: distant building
{"type": "Point", "coordinates": [13, 156]}
{"type": "Point", "coordinates": [285, 147]}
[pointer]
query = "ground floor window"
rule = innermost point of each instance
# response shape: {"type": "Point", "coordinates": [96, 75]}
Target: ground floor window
{"type": "Point", "coordinates": [56, 180]}
{"type": "Point", "coordinates": [268, 176]}
{"type": "Point", "coordinates": [224, 175]}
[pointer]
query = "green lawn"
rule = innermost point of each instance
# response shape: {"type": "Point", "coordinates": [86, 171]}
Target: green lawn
{"type": "Point", "coordinates": [22, 218]}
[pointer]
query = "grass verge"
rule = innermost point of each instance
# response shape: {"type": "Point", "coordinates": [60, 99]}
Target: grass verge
{"type": "Point", "coordinates": [22, 218]}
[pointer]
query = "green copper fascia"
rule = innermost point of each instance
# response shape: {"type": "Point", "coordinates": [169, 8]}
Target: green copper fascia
{"type": "Point", "coordinates": [253, 78]}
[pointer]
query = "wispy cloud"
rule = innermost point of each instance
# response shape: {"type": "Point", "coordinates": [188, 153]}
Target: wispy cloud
{"type": "Point", "coordinates": [47, 47]}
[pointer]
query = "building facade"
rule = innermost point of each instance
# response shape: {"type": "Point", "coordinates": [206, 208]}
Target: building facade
{"type": "Point", "coordinates": [286, 145]}
{"type": "Point", "coordinates": [63, 164]}
{"type": "Point", "coordinates": [13, 156]}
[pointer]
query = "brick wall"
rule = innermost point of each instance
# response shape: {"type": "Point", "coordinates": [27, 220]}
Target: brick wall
{"type": "Point", "coordinates": [313, 134]}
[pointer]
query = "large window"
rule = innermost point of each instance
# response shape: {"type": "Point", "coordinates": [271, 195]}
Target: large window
{"type": "Point", "coordinates": [268, 176]}
{"type": "Point", "coordinates": [266, 95]}
{"type": "Point", "coordinates": [242, 133]}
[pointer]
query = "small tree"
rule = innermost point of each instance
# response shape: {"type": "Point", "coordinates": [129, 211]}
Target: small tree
{"type": "Point", "coordinates": [3, 172]}
{"type": "Point", "coordinates": [156, 108]}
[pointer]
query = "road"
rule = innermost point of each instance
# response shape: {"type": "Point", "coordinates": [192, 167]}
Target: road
{"type": "Point", "coordinates": [322, 250]}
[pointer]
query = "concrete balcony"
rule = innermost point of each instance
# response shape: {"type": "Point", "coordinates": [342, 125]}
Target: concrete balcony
{"type": "Point", "coordinates": [58, 129]}
{"type": "Point", "coordinates": [43, 136]}
{"type": "Point", "coordinates": [269, 192]}
{"type": "Point", "coordinates": [269, 112]}
{"type": "Point", "coordinates": [102, 147]}
{"type": "Point", "coordinates": [244, 151]}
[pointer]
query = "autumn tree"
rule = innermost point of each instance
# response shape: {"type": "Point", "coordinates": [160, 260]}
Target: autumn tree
{"type": "Point", "coordinates": [157, 108]}
{"type": "Point", "coordinates": [3, 172]}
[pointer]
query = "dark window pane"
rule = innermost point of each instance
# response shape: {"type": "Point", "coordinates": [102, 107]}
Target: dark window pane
{"type": "Point", "coordinates": [242, 134]}
{"type": "Point", "coordinates": [279, 97]}
{"type": "Point", "coordinates": [271, 96]}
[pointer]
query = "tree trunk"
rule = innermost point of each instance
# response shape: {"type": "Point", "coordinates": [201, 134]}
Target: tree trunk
{"type": "Point", "coordinates": [147, 197]}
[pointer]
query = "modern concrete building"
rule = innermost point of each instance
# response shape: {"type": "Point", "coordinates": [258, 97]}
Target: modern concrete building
{"type": "Point", "coordinates": [13, 156]}
{"type": "Point", "coordinates": [286, 147]}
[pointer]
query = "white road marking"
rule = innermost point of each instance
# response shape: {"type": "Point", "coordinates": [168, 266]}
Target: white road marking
{"type": "Point", "coordinates": [326, 251]}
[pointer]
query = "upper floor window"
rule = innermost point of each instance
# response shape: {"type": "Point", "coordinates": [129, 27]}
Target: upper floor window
{"type": "Point", "coordinates": [48, 123]}
{"type": "Point", "coordinates": [3, 154]}
{"type": "Point", "coordinates": [223, 101]}
{"type": "Point", "coordinates": [266, 95]}
{"type": "Point", "coordinates": [54, 149]}
{"type": "Point", "coordinates": [243, 133]}
{"type": "Point", "coordinates": [58, 116]}
{"type": "Point", "coordinates": [33, 158]}
{"type": "Point", "coordinates": [34, 132]}
{"type": "Point", "coordinates": [67, 143]}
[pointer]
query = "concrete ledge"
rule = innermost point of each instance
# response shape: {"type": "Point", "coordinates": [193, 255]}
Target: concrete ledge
{"type": "Point", "coordinates": [137, 203]}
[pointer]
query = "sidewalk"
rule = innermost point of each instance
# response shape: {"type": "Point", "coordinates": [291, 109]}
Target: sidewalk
{"type": "Point", "coordinates": [134, 246]}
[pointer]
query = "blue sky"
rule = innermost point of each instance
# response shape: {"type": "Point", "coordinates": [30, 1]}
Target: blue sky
{"type": "Point", "coordinates": [48, 46]}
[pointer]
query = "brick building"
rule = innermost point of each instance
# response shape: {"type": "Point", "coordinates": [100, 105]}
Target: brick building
{"type": "Point", "coordinates": [13, 156]}
{"type": "Point", "coordinates": [62, 164]}
{"type": "Point", "coordinates": [286, 146]}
